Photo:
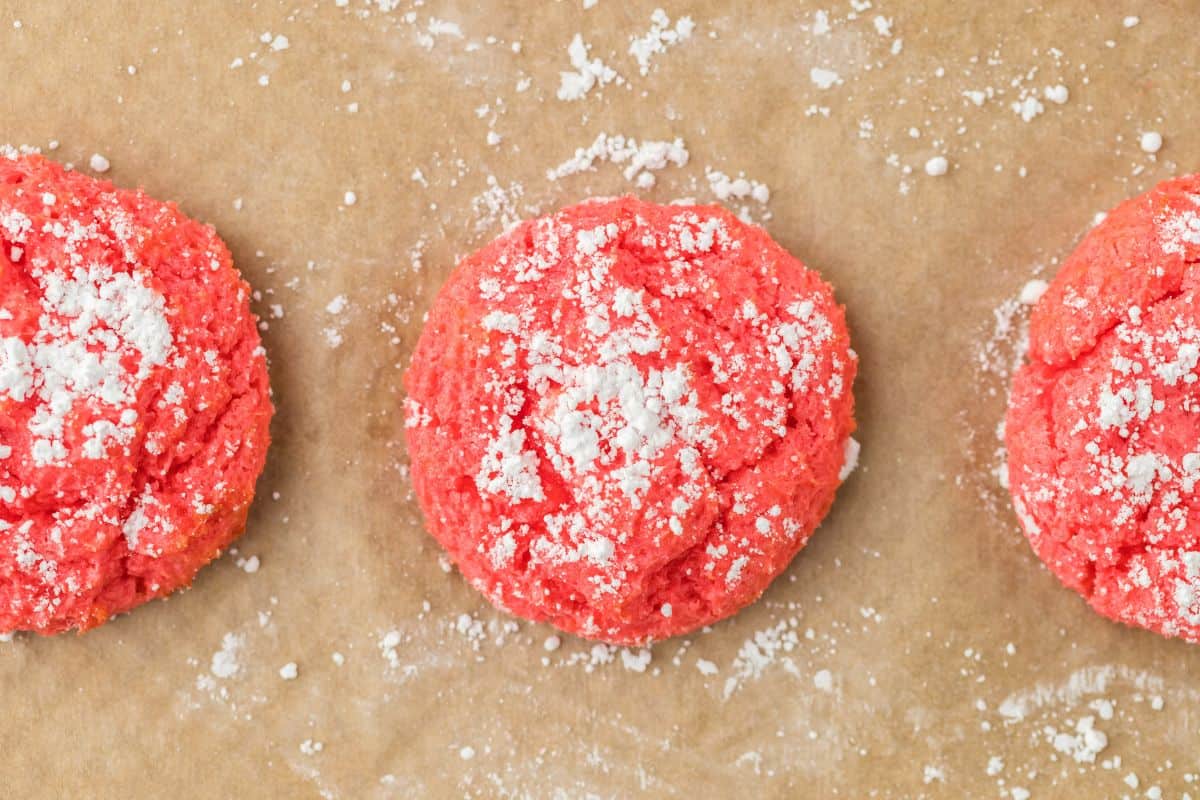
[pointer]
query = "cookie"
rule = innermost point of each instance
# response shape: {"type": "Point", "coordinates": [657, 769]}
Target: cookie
{"type": "Point", "coordinates": [625, 419]}
{"type": "Point", "coordinates": [134, 402]}
{"type": "Point", "coordinates": [1103, 424]}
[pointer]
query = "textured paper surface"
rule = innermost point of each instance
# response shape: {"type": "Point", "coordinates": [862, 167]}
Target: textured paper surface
{"type": "Point", "coordinates": [913, 642]}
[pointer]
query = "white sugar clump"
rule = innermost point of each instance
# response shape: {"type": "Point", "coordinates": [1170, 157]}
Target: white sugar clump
{"type": "Point", "coordinates": [508, 468]}
{"type": "Point", "coordinates": [635, 660]}
{"type": "Point", "coordinates": [1151, 142]}
{"type": "Point", "coordinates": [1084, 744]}
{"type": "Point", "coordinates": [824, 78]}
{"type": "Point", "coordinates": [337, 305]}
{"type": "Point", "coordinates": [640, 159]}
{"type": "Point", "coordinates": [660, 37]}
{"type": "Point", "coordinates": [1028, 107]}
{"type": "Point", "coordinates": [224, 662]}
{"type": "Point", "coordinates": [1187, 589]}
{"type": "Point", "coordinates": [388, 646]}
{"type": "Point", "coordinates": [1058, 94]}
{"type": "Point", "coordinates": [586, 73]}
{"type": "Point", "coordinates": [739, 188]}
{"type": "Point", "coordinates": [1032, 291]}
{"type": "Point", "coordinates": [937, 166]}
{"type": "Point", "coordinates": [1178, 230]}
{"type": "Point", "coordinates": [95, 323]}
{"type": "Point", "coordinates": [851, 451]}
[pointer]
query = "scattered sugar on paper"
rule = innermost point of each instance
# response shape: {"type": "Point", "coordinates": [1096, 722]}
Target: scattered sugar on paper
{"type": "Point", "coordinates": [824, 78]}
{"type": "Point", "coordinates": [762, 650]}
{"type": "Point", "coordinates": [661, 36]}
{"type": "Point", "coordinates": [739, 188]}
{"type": "Point", "coordinates": [224, 662]}
{"type": "Point", "coordinates": [586, 73]}
{"type": "Point", "coordinates": [640, 160]}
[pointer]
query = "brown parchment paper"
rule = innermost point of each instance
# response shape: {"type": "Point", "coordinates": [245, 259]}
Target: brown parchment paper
{"type": "Point", "coordinates": [916, 648]}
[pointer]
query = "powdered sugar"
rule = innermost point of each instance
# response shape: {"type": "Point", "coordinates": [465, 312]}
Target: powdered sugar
{"type": "Point", "coordinates": [739, 188]}
{"type": "Point", "coordinates": [1187, 588]}
{"type": "Point", "coordinates": [762, 650]}
{"type": "Point", "coordinates": [586, 74]}
{"type": "Point", "coordinates": [1084, 743]}
{"type": "Point", "coordinates": [824, 78]}
{"type": "Point", "coordinates": [509, 468]}
{"type": "Point", "coordinates": [225, 661]}
{"type": "Point", "coordinates": [1032, 291]}
{"type": "Point", "coordinates": [850, 460]}
{"type": "Point", "coordinates": [93, 323]}
{"type": "Point", "coordinates": [937, 166]}
{"type": "Point", "coordinates": [661, 36]}
{"type": "Point", "coordinates": [640, 160]}
{"type": "Point", "coordinates": [1179, 230]}
{"type": "Point", "coordinates": [1150, 142]}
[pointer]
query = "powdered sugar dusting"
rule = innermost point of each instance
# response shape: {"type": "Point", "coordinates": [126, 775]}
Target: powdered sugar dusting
{"type": "Point", "coordinates": [586, 73]}
{"type": "Point", "coordinates": [606, 414]}
{"type": "Point", "coordinates": [225, 661]}
{"type": "Point", "coordinates": [639, 160]}
{"type": "Point", "coordinates": [92, 323]}
{"type": "Point", "coordinates": [1180, 230]}
{"type": "Point", "coordinates": [661, 36]}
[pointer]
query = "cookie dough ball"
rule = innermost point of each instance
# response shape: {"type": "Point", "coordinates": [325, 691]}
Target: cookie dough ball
{"type": "Point", "coordinates": [1103, 424]}
{"type": "Point", "coordinates": [133, 398]}
{"type": "Point", "coordinates": [625, 419]}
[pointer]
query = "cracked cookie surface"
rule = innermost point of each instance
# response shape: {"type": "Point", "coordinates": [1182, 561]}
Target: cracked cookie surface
{"type": "Point", "coordinates": [134, 400]}
{"type": "Point", "coordinates": [1103, 425]}
{"type": "Point", "coordinates": [625, 419]}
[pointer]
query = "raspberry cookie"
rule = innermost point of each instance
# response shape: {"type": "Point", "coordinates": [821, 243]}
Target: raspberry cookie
{"type": "Point", "coordinates": [134, 403]}
{"type": "Point", "coordinates": [1103, 424]}
{"type": "Point", "coordinates": [625, 419]}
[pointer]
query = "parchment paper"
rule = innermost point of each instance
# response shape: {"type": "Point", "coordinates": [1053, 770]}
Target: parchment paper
{"type": "Point", "coordinates": [916, 648]}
